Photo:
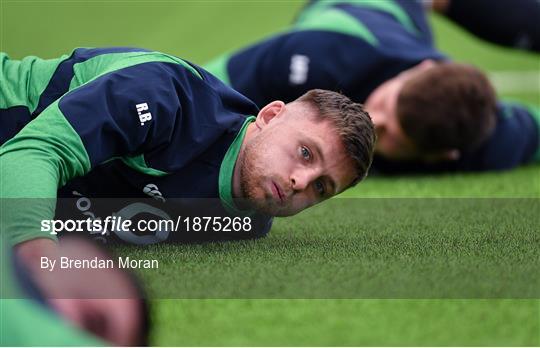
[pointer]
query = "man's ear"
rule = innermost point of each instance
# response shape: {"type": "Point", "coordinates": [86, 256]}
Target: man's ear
{"type": "Point", "coordinates": [426, 64]}
{"type": "Point", "coordinates": [406, 75]}
{"type": "Point", "coordinates": [269, 112]}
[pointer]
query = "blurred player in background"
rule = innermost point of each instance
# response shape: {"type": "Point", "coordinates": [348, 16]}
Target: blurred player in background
{"type": "Point", "coordinates": [430, 114]}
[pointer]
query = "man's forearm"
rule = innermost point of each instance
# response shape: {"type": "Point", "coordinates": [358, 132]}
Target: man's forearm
{"type": "Point", "coordinates": [31, 252]}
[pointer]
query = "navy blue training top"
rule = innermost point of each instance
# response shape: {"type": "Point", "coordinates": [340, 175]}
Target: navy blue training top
{"type": "Point", "coordinates": [352, 47]}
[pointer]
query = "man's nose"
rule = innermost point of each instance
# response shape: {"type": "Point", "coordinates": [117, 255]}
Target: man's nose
{"type": "Point", "coordinates": [301, 179]}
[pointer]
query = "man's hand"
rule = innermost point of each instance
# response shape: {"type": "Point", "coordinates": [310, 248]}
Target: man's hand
{"type": "Point", "coordinates": [31, 251]}
{"type": "Point", "coordinates": [105, 302]}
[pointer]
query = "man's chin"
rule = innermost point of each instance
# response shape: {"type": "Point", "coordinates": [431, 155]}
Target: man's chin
{"type": "Point", "coordinates": [265, 204]}
{"type": "Point", "coordinates": [272, 209]}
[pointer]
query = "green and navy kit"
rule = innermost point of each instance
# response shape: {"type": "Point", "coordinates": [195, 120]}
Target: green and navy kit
{"type": "Point", "coordinates": [117, 122]}
{"type": "Point", "coordinates": [353, 47]}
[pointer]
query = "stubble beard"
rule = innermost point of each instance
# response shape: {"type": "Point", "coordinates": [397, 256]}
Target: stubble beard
{"type": "Point", "coordinates": [250, 175]}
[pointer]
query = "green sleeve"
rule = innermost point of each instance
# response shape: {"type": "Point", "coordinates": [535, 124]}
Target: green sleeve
{"type": "Point", "coordinates": [42, 157]}
{"type": "Point", "coordinates": [26, 323]}
{"type": "Point", "coordinates": [318, 9]}
{"type": "Point", "coordinates": [23, 81]}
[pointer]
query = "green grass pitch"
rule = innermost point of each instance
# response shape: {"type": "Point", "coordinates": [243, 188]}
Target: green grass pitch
{"type": "Point", "coordinates": [362, 269]}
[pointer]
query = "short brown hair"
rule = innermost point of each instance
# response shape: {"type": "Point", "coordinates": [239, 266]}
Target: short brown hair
{"type": "Point", "coordinates": [352, 122]}
{"type": "Point", "coordinates": [449, 106]}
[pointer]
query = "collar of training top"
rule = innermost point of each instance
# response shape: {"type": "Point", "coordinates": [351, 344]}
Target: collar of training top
{"type": "Point", "coordinates": [227, 169]}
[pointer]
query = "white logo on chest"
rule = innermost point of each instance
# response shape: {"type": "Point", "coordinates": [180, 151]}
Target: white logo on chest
{"type": "Point", "coordinates": [299, 69]}
{"type": "Point", "coordinates": [153, 191]}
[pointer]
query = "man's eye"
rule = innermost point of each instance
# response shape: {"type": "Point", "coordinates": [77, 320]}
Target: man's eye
{"type": "Point", "coordinates": [319, 186]}
{"type": "Point", "coordinates": [305, 153]}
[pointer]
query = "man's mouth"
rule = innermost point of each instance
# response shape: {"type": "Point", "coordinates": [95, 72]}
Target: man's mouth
{"type": "Point", "coordinates": [278, 193]}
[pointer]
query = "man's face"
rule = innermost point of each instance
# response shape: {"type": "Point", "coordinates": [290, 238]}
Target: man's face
{"type": "Point", "coordinates": [293, 161]}
{"type": "Point", "coordinates": [392, 142]}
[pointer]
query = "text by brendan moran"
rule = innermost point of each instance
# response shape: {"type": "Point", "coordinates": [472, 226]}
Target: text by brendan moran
{"type": "Point", "coordinates": [95, 263]}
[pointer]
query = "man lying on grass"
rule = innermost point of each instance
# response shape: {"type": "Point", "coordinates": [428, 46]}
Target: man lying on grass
{"type": "Point", "coordinates": [129, 123]}
{"type": "Point", "coordinates": [430, 114]}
